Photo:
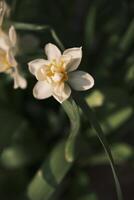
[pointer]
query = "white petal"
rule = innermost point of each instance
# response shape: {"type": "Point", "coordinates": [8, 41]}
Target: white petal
{"type": "Point", "coordinates": [35, 65]}
{"type": "Point", "coordinates": [19, 81]}
{"type": "Point", "coordinates": [42, 90]}
{"type": "Point", "coordinates": [41, 74]}
{"type": "Point", "coordinates": [12, 35]}
{"type": "Point", "coordinates": [66, 60]}
{"type": "Point", "coordinates": [4, 41]}
{"type": "Point", "coordinates": [76, 56]}
{"type": "Point", "coordinates": [61, 92]}
{"type": "Point", "coordinates": [52, 52]}
{"type": "Point", "coordinates": [80, 80]}
{"type": "Point", "coordinates": [2, 11]}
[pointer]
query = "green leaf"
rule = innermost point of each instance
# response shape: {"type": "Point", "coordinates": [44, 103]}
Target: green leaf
{"type": "Point", "coordinates": [24, 149]}
{"type": "Point", "coordinates": [129, 77]}
{"type": "Point", "coordinates": [128, 38]}
{"type": "Point", "coordinates": [121, 152]}
{"type": "Point", "coordinates": [116, 119]}
{"type": "Point", "coordinates": [20, 155]}
{"type": "Point", "coordinates": [30, 27]}
{"type": "Point", "coordinates": [72, 111]}
{"type": "Point", "coordinates": [49, 175]}
{"type": "Point", "coordinates": [96, 98]}
{"type": "Point", "coordinates": [89, 197]}
{"type": "Point", "coordinates": [94, 123]}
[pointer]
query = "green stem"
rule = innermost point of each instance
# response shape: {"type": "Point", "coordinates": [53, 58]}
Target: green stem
{"type": "Point", "coordinates": [35, 27]}
{"type": "Point", "coordinates": [72, 111]}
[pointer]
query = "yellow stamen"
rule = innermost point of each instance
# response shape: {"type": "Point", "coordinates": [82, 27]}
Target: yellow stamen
{"type": "Point", "coordinates": [55, 71]}
{"type": "Point", "coordinates": [4, 63]}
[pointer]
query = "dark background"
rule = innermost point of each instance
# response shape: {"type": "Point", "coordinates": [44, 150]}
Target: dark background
{"type": "Point", "coordinates": [30, 129]}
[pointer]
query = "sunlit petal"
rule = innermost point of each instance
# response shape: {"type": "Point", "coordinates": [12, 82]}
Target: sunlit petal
{"type": "Point", "coordinates": [4, 41]}
{"type": "Point", "coordinates": [42, 90]}
{"type": "Point", "coordinates": [12, 35]}
{"type": "Point", "coordinates": [80, 80]}
{"type": "Point", "coordinates": [76, 56]}
{"type": "Point", "coordinates": [61, 92]}
{"type": "Point", "coordinates": [52, 52]}
{"type": "Point", "coordinates": [19, 80]}
{"type": "Point", "coordinates": [35, 65]}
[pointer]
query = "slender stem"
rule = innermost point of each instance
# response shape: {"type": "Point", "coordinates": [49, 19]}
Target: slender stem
{"type": "Point", "coordinates": [35, 27]}
{"type": "Point", "coordinates": [56, 38]}
{"type": "Point", "coordinates": [72, 111]}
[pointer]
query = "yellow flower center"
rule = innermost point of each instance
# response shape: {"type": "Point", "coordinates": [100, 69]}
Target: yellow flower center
{"type": "Point", "coordinates": [4, 63]}
{"type": "Point", "coordinates": [54, 72]}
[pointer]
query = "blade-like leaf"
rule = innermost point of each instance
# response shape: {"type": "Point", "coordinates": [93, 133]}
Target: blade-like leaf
{"type": "Point", "coordinates": [49, 175]}
{"type": "Point", "coordinates": [94, 123]}
{"type": "Point", "coordinates": [30, 27]}
{"type": "Point", "coordinates": [128, 38]}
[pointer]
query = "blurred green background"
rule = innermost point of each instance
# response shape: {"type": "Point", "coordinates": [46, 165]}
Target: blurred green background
{"type": "Point", "coordinates": [31, 129]}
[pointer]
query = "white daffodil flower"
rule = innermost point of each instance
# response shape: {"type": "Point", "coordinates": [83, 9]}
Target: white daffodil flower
{"type": "Point", "coordinates": [8, 63]}
{"type": "Point", "coordinates": [56, 76]}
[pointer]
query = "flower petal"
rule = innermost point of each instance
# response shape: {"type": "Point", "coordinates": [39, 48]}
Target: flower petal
{"type": "Point", "coordinates": [41, 74]}
{"type": "Point", "coordinates": [80, 80]}
{"type": "Point", "coordinates": [76, 56]}
{"type": "Point", "coordinates": [19, 80]}
{"type": "Point", "coordinates": [61, 92]}
{"type": "Point", "coordinates": [35, 65]}
{"type": "Point", "coordinates": [2, 11]}
{"type": "Point", "coordinates": [12, 35]}
{"type": "Point", "coordinates": [66, 59]}
{"type": "Point", "coordinates": [42, 90]}
{"type": "Point", "coordinates": [52, 52]}
{"type": "Point", "coordinates": [5, 43]}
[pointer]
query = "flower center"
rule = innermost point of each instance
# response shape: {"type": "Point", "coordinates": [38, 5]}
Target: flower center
{"type": "Point", "coordinates": [4, 63]}
{"type": "Point", "coordinates": [54, 72]}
